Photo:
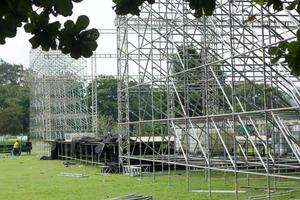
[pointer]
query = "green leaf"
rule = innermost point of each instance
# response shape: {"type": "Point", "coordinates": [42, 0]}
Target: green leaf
{"type": "Point", "coordinates": [92, 34]}
{"type": "Point", "coordinates": [28, 28]}
{"type": "Point", "coordinates": [273, 50]}
{"type": "Point", "coordinates": [76, 42]}
{"type": "Point", "coordinates": [76, 51]}
{"type": "Point", "coordinates": [69, 24]}
{"type": "Point", "coordinates": [277, 4]}
{"type": "Point", "coordinates": [283, 45]}
{"type": "Point", "coordinates": [151, 1]}
{"type": "Point", "coordinates": [250, 18]}
{"type": "Point", "coordinates": [86, 52]}
{"type": "Point", "coordinates": [202, 7]}
{"type": "Point", "coordinates": [82, 23]}
{"type": "Point", "coordinates": [63, 7]}
{"type": "Point", "coordinates": [35, 41]}
{"type": "Point", "coordinates": [91, 44]}
{"type": "Point", "coordinates": [124, 7]}
{"type": "Point", "coordinates": [260, 2]}
{"type": "Point", "coordinates": [53, 27]}
{"type": "Point", "coordinates": [292, 5]}
{"type": "Point", "coordinates": [43, 3]}
{"type": "Point", "coordinates": [293, 47]}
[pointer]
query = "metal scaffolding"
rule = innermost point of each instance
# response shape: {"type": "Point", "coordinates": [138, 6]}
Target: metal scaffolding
{"type": "Point", "coordinates": [209, 83]}
{"type": "Point", "coordinates": [58, 105]}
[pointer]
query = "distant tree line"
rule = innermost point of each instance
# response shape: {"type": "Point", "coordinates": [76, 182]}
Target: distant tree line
{"type": "Point", "coordinates": [146, 101]}
{"type": "Point", "coordinates": [14, 99]}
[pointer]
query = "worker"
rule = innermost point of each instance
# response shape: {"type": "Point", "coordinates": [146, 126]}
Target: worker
{"type": "Point", "coordinates": [16, 148]}
{"type": "Point", "coordinates": [28, 147]}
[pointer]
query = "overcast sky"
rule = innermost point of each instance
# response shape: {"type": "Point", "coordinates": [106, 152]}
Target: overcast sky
{"type": "Point", "coordinates": [16, 50]}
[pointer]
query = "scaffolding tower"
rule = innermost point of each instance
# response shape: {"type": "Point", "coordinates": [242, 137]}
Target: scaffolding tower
{"type": "Point", "coordinates": [59, 106]}
{"type": "Point", "coordinates": [210, 84]}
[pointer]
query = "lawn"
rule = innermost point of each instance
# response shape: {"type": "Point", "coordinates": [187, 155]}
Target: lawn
{"type": "Point", "coordinates": [28, 178]}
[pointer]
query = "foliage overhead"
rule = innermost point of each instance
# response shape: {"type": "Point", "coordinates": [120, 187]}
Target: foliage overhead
{"type": "Point", "coordinates": [277, 4]}
{"type": "Point", "coordinates": [74, 39]}
{"type": "Point", "coordinates": [200, 7]}
{"type": "Point", "coordinates": [290, 51]}
{"type": "Point", "coordinates": [124, 7]}
{"type": "Point", "coordinates": [35, 16]}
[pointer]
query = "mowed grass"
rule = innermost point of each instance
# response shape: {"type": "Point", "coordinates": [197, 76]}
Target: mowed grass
{"type": "Point", "coordinates": [28, 178]}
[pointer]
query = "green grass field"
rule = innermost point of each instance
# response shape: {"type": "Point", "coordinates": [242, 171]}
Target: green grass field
{"type": "Point", "coordinates": [28, 178]}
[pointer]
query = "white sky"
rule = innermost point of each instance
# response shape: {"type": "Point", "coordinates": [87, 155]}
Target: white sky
{"type": "Point", "coordinates": [16, 50]}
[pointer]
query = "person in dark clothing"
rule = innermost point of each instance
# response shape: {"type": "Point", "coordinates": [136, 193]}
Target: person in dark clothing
{"type": "Point", "coordinates": [28, 147]}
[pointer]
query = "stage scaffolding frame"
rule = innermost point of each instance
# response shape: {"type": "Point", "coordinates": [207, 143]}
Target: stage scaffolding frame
{"type": "Point", "coordinates": [227, 106]}
{"type": "Point", "coordinates": [60, 84]}
{"type": "Point", "coordinates": [58, 106]}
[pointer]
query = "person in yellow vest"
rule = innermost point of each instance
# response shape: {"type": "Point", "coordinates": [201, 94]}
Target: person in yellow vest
{"type": "Point", "coordinates": [16, 148]}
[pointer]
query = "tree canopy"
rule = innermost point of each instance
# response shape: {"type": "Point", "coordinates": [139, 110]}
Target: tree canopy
{"type": "Point", "coordinates": [34, 16]}
{"type": "Point", "coordinates": [107, 104]}
{"type": "Point", "coordinates": [107, 97]}
{"type": "Point", "coordinates": [14, 100]}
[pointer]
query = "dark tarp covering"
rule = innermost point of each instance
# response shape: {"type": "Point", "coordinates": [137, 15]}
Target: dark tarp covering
{"type": "Point", "coordinates": [55, 148]}
{"type": "Point", "coordinates": [109, 138]}
{"type": "Point", "coordinates": [99, 148]}
{"type": "Point", "coordinates": [76, 141]}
